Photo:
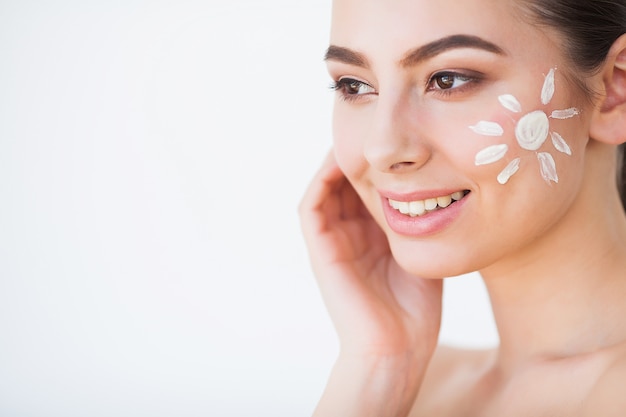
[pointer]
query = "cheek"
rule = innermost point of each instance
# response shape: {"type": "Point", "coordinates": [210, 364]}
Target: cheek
{"type": "Point", "coordinates": [574, 135]}
{"type": "Point", "coordinates": [537, 130]}
{"type": "Point", "coordinates": [496, 153]}
{"type": "Point", "coordinates": [535, 140]}
{"type": "Point", "coordinates": [466, 133]}
{"type": "Point", "coordinates": [348, 136]}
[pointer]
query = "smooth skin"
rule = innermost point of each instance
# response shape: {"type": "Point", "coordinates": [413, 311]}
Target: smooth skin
{"type": "Point", "coordinates": [553, 256]}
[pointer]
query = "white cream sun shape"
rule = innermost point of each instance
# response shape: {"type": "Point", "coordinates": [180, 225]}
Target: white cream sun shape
{"type": "Point", "coordinates": [531, 132]}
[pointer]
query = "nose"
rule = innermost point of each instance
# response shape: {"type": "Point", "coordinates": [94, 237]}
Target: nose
{"type": "Point", "coordinates": [396, 141]}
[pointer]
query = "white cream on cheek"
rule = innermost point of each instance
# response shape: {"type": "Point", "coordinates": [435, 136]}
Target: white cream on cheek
{"type": "Point", "coordinates": [509, 102]}
{"type": "Point", "coordinates": [488, 129]}
{"type": "Point", "coordinates": [491, 154]}
{"type": "Point", "coordinates": [560, 144]}
{"type": "Point", "coordinates": [547, 91]}
{"type": "Point", "coordinates": [508, 172]}
{"type": "Point", "coordinates": [531, 132]}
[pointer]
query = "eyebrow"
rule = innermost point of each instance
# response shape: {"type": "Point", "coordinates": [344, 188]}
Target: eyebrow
{"type": "Point", "coordinates": [417, 55]}
{"type": "Point", "coordinates": [345, 55]}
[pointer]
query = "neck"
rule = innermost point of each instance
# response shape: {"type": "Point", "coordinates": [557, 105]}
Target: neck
{"type": "Point", "coordinates": [565, 296]}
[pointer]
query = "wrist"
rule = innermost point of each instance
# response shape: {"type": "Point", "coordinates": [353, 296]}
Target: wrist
{"type": "Point", "coordinates": [366, 384]}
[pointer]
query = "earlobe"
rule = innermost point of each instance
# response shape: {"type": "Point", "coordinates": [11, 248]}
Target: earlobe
{"type": "Point", "coordinates": [608, 123]}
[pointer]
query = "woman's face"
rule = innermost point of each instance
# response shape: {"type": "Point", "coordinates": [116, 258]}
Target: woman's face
{"type": "Point", "coordinates": [451, 102]}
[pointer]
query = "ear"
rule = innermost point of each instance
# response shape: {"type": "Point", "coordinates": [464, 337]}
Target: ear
{"type": "Point", "coordinates": [608, 123]}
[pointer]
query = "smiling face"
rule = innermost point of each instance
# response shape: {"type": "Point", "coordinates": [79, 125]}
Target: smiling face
{"type": "Point", "coordinates": [437, 106]}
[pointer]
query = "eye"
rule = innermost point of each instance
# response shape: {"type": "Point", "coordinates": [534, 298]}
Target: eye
{"type": "Point", "coordinates": [449, 80]}
{"type": "Point", "coordinates": [352, 89]}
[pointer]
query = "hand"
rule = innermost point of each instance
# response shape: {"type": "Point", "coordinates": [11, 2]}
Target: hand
{"type": "Point", "coordinates": [377, 308]}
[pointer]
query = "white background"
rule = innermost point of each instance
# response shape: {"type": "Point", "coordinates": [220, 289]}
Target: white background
{"type": "Point", "coordinates": [152, 156]}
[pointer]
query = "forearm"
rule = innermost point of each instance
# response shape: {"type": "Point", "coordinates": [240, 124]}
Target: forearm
{"type": "Point", "coordinates": [372, 386]}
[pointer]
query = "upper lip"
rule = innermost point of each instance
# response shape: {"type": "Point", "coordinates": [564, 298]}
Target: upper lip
{"type": "Point", "coordinates": [419, 195]}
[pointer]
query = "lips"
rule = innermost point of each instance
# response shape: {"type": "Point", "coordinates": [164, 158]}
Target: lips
{"type": "Point", "coordinates": [424, 213]}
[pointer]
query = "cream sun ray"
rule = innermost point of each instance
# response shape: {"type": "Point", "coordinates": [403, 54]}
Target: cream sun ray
{"type": "Point", "coordinates": [531, 132]}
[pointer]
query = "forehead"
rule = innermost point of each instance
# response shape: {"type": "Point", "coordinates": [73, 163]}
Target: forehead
{"type": "Point", "coordinates": [393, 26]}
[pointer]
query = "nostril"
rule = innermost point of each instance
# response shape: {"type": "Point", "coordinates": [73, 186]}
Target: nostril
{"type": "Point", "coordinates": [400, 165]}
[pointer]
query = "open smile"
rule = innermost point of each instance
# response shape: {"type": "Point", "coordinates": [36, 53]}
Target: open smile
{"type": "Point", "coordinates": [421, 207]}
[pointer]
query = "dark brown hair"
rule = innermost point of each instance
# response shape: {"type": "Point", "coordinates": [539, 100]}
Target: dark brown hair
{"type": "Point", "coordinates": [589, 29]}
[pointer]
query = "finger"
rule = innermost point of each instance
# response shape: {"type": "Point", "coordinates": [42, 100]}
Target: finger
{"type": "Point", "coordinates": [322, 183]}
{"type": "Point", "coordinates": [346, 203]}
{"type": "Point", "coordinates": [320, 201]}
{"type": "Point", "coordinates": [352, 206]}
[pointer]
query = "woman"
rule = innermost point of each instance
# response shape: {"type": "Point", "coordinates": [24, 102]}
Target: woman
{"type": "Point", "coordinates": [481, 135]}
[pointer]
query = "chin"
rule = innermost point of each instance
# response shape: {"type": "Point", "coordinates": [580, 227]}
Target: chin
{"type": "Point", "coordinates": [431, 261]}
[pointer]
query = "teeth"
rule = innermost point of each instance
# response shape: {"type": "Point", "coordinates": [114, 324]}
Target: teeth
{"type": "Point", "coordinates": [421, 207]}
{"type": "Point", "coordinates": [431, 204]}
{"type": "Point", "coordinates": [417, 208]}
{"type": "Point", "coordinates": [457, 196]}
{"type": "Point", "coordinates": [444, 201]}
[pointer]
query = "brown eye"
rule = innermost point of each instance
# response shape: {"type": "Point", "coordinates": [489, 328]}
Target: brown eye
{"type": "Point", "coordinates": [354, 87]}
{"type": "Point", "coordinates": [445, 81]}
{"type": "Point", "coordinates": [450, 81]}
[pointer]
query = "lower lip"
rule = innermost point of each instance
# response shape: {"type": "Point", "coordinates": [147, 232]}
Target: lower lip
{"type": "Point", "coordinates": [428, 224]}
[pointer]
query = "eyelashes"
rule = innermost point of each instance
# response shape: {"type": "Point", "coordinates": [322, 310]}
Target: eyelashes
{"type": "Point", "coordinates": [443, 84]}
{"type": "Point", "coordinates": [453, 82]}
{"type": "Point", "coordinates": [351, 89]}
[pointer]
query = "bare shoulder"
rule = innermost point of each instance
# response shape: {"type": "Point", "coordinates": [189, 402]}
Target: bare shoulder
{"type": "Point", "coordinates": [608, 396]}
{"type": "Point", "coordinates": [450, 373]}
